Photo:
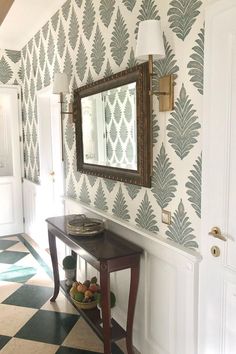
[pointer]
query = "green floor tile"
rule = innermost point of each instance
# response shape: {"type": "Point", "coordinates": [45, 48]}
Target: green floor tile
{"type": "Point", "coordinates": [66, 350]}
{"type": "Point", "coordinates": [29, 296]}
{"type": "Point", "coordinates": [48, 327]}
{"type": "Point", "coordinates": [18, 274]}
{"type": "Point", "coordinates": [11, 257]}
{"type": "Point", "coordinates": [4, 340]}
{"type": "Point", "coordinates": [4, 244]}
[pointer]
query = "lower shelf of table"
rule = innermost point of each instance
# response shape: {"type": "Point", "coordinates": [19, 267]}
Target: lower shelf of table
{"type": "Point", "coordinates": [92, 317]}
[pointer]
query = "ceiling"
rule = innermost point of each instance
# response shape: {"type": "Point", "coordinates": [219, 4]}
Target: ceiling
{"type": "Point", "coordinates": [24, 19]}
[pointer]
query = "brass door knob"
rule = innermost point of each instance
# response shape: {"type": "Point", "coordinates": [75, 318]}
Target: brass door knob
{"type": "Point", "coordinates": [52, 173]}
{"type": "Point", "coordinates": [216, 232]}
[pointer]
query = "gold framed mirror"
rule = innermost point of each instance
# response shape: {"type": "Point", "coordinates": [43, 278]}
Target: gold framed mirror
{"type": "Point", "coordinates": [113, 132]}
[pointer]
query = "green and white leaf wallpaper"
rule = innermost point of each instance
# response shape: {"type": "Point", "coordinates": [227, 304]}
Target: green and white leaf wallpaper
{"type": "Point", "coordinates": [90, 39]}
{"type": "Point", "coordinates": [10, 67]}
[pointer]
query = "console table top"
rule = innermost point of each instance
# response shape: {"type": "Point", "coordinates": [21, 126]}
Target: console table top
{"type": "Point", "coordinates": [103, 246]}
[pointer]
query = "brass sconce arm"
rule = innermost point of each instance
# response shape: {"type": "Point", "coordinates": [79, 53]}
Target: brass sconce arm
{"type": "Point", "coordinates": [62, 112]}
{"type": "Point", "coordinates": [166, 93]}
{"type": "Point", "coordinates": [61, 103]}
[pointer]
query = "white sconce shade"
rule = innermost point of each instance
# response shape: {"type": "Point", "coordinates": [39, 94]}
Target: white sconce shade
{"type": "Point", "coordinates": [149, 41]}
{"type": "Point", "coordinates": [60, 83]}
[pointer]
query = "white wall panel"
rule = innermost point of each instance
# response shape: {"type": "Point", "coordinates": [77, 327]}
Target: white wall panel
{"type": "Point", "coordinates": [35, 225]}
{"type": "Point", "coordinates": [6, 203]}
{"type": "Point", "coordinates": [166, 310]}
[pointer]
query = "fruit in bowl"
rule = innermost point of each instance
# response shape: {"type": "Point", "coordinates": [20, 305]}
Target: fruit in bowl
{"type": "Point", "coordinates": [85, 295]}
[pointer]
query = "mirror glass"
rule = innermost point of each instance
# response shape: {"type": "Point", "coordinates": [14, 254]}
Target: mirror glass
{"type": "Point", "coordinates": [112, 120]}
{"type": "Point", "coordinates": [110, 127]}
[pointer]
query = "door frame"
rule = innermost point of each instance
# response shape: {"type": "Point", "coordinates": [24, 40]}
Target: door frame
{"type": "Point", "coordinates": [17, 88]}
{"type": "Point", "coordinates": [20, 124]}
{"type": "Point", "coordinates": [213, 9]}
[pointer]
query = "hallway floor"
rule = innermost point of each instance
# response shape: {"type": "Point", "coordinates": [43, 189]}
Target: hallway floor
{"type": "Point", "coordinates": [29, 323]}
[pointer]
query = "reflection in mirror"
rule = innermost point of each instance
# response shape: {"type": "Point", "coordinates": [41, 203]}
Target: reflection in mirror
{"type": "Point", "coordinates": [110, 127]}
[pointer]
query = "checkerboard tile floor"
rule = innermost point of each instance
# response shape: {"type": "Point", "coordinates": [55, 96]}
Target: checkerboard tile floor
{"type": "Point", "coordinates": [29, 323]}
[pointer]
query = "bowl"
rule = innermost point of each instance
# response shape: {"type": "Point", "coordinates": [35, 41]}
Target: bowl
{"type": "Point", "coordinates": [84, 305]}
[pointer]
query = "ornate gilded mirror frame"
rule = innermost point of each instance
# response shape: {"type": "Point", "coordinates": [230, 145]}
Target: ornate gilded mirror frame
{"type": "Point", "coordinates": [142, 176]}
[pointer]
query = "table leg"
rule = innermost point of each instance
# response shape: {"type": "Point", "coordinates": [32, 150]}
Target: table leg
{"type": "Point", "coordinates": [53, 253]}
{"type": "Point", "coordinates": [131, 307]}
{"type": "Point", "coordinates": [106, 310]}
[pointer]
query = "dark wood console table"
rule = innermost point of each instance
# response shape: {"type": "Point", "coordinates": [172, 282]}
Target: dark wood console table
{"type": "Point", "coordinates": [106, 252]}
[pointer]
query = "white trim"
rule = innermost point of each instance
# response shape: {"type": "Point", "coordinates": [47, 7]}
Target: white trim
{"type": "Point", "coordinates": [193, 256]}
{"type": "Point", "coordinates": [18, 89]}
{"type": "Point", "coordinates": [211, 335]}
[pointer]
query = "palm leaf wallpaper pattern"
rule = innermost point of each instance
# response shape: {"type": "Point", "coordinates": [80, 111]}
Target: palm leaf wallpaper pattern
{"type": "Point", "coordinates": [120, 207]}
{"type": "Point", "coordinates": [69, 134]}
{"type": "Point", "coordinates": [110, 184]}
{"type": "Point", "coordinates": [79, 2]}
{"type": "Point", "coordinates": [183, 127]}
{"type": "Point", "coordinates": [42, 56]}
{"type": "Point", "coordinates": [145, 216]}
{"type": "Point", "coordinates": [98, 51]}
{"type": "Point", "coordinates": [182, 15]}
{"type": "Point", "coordinates": [91, 39]}
{"type": "Point", "coordinates": [196, 65]}
{"type": "Point", "coordinates": [73, 29]}
{"type": "Point", "coordinates": [106, 11]}
{"type": "Point", "coordinates": [100, 198]}
{"type": "Point", "coordinates": [119, 40]}
{"type": "Point", "coordinates": [163, 182]}
{"type": "Point", "coordinates": [55, 20]}
{"type": "Point", "coordinates": [194, 186]}
{"type": "Point", "coordinates": [61, 40]}
{"type": "Point", "coordinates": [84, 193]}
{"type": "Point", "coordinates": [108, 71]}
{"type": "Point", "coordinates": [68, 67]}
{"type": "Point", "coordinates": [45, 30]}
{"type": "Point", "coordinates": [13, 55]}
{"type": "Point", "coordinates": [50, 51]}
{"type": "Point", "coordinates": [129, 4]}
{"type": "Point", "coordinates": [132, 190]}
{"type": "Point", "coordinates": [164, 66]}
{"type": "Point", "coordinates": [66, 9]}
{"type": "Point", "coordinates": [71, 189]}
{"type": "Point", "coordinates": [180, 229]}
{"type": "Point", "coordinates": [88, 18]}
{"type": "Point", "coordinates": [92, 180]}
{"type": "Point", "coordinates": [132, 60]}
{"type": "Point", "coordinates": [81, 62]}
{"type": "Point", "coordinates": [155, 128]}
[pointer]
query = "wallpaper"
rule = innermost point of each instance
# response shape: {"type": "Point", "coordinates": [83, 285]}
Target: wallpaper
{"type": "Point", "coordinates": [10, 67]}
{"type": "Point", "coordinates": [91, 39]}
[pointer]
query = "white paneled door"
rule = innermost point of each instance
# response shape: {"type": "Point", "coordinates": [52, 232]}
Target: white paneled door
{"type": "Point", "coordinates": [217, 316]}
{"type": "Point", "coordinates": [50, 201]}
{"type": "Point", "coordinates": [11, 212]}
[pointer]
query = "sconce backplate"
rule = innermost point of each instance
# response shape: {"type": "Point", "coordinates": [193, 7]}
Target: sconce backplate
{"type": "Point", "coordinates": [166, 102]}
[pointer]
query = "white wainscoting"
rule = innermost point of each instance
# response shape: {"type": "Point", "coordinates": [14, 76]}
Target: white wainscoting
{"type": "Point", "coordinates": [167, 304]}
{"type": "Point", "coordinates": [35, 225]}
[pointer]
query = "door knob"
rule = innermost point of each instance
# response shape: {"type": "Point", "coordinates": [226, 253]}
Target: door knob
{"type": "Point", "coordinates": [216, 232]}
{"type": "Point", "coordinates": [52, 173]}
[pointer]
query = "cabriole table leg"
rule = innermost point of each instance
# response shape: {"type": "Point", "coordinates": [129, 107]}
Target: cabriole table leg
{"type": "Point", "coordinates": [53, 253]}
{"type": "Point", "coordinates": [131, 307]}
{"type": "Point", "coordinates": [106, 311]}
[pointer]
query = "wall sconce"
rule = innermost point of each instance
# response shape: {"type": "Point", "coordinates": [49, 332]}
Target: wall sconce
{"type": "Point", "coordinates": [150, 47]}
{"type": "Point", "coordinates": [61, 86]}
